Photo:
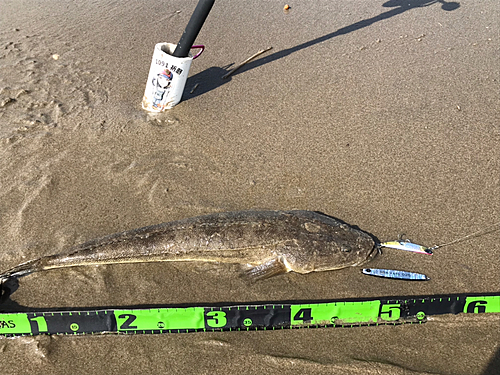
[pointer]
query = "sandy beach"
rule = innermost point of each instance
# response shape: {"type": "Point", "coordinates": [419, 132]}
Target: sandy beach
{"type": "Point", "coordinates": [382, 114]}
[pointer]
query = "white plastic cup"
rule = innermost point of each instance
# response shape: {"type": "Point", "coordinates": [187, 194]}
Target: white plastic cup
{"type": "Point", "coordinates": [167, 77]}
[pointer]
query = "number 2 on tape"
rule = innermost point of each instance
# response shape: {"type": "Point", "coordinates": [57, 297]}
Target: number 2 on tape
{"type": "Point", "coordinates": [127, 324]}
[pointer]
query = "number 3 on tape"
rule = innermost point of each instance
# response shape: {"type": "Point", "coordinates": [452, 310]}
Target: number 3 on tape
{"type": "Point", "coordinates": [216, 319]}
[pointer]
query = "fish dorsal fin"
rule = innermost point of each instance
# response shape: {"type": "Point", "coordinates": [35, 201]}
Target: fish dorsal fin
{"type": "Point", "coordinates": [273, 267]}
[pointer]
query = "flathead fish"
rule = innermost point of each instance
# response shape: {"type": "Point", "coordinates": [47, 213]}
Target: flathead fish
{"type": "Point", "coordinates": [269, 242]}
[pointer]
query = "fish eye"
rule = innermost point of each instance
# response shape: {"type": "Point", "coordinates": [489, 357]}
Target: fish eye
{"type": "Point", "coordinates": [345, 249]}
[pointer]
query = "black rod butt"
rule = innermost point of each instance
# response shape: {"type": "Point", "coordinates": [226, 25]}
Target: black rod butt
{"type": "Point", "coordinates": [193, 28]}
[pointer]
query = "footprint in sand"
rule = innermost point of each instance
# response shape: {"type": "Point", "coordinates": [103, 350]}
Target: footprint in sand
{"type": "Point", "coordinates": [37, 91]}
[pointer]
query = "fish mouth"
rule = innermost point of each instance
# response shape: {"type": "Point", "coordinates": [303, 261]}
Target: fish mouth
{"type": "Point", "coordinates": [373, 253]}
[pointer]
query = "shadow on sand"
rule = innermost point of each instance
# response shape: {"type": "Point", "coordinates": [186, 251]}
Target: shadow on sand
{"type": "Point", "coordinates": [211, 78]}
{"type": "Point", "coordinates": [494, 366]}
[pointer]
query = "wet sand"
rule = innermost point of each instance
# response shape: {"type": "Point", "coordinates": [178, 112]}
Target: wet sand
{"type": "Point", "coordinates": [383, 115]}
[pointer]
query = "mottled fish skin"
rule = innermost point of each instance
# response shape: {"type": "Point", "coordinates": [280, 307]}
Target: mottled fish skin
{"type": "Point", "coordinates": [270, 242]}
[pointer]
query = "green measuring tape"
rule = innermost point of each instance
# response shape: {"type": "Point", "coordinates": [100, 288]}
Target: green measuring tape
{"type": "Point", "coordinates": [272, 316]}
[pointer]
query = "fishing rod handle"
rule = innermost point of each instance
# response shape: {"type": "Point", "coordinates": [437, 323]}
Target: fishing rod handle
{"type": "Point", "coordinates": [193, 28]}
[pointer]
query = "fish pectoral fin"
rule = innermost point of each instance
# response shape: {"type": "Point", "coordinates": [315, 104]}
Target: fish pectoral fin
{"type": "Point", "coordinates": [268, 269]}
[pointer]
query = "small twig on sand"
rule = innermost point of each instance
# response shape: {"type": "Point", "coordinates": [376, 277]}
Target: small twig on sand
{"type": "Point", "coordinates": [245, 62]}
{"type": "Point", "coordinates": [194, 88]}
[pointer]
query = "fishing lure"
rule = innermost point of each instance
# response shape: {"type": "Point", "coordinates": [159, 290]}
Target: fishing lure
{"type": "Point", "coordinates": [395, 274]}
{"type": "Point", "coordinates": [413, 247]}
{"type": "Point", "coordinates": [407, 246]}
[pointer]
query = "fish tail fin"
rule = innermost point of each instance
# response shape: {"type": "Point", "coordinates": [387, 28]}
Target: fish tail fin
{"type": "Point", "coordinates": [9, 279]}
{"type": "Point", "coordinates": [266, 270]}
{"type": "Point", "coordinates": [20, 270]}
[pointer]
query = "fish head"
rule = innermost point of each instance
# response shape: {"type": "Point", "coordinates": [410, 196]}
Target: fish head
{"type": "Point", "coordinates": [340, 254]}
{"type": "Point", "coordinates": [328, 244]}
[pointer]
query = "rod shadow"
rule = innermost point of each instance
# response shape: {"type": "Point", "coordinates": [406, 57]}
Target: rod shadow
{"type": "Point", "coordinates": [493, 367]}
{"type": "Point", "coordinates": [211, 78]}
